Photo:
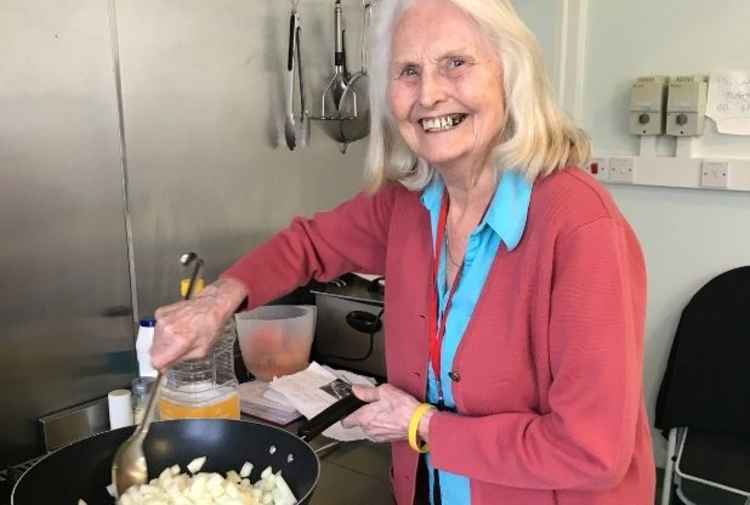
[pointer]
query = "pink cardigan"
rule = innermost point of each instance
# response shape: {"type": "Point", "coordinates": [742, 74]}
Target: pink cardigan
{"type": "Point", "coordinates": [549, 372]}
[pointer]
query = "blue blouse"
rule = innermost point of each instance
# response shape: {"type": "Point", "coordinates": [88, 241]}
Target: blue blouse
{"type": "Point", "coordinates": [504, 221]}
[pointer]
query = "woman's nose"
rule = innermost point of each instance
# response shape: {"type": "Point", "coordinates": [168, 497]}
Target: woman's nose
{"type": "Point", "coordinates": [432, 90]}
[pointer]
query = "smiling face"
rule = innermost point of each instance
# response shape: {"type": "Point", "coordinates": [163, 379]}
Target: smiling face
{"type": "Point", "coordinates": [446, 85]}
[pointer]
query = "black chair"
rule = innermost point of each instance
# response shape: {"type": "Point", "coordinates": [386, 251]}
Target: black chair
{"type": "Point", "coordinates": [704, 400]}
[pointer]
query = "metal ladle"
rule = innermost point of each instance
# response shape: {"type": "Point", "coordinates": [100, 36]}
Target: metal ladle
{"type": "Point", "coordinates": [336, 84]}
{"type": "Point", "coordinates": [353, 106]}
{"type": "Point", "coordinates": [129, 466]}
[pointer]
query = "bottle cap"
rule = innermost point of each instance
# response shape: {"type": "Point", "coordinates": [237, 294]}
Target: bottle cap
{"type": "Point", "coordinates": [148, 323]}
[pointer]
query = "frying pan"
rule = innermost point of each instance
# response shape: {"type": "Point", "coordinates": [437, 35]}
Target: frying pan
{"type": "Point", "coordinates": [82, 470]}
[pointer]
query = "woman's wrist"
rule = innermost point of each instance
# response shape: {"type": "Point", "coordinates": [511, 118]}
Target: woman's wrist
{"type": "Point", "coordinates": [228, 294]}
{"type": "Point", "coordinates": [424, 426]}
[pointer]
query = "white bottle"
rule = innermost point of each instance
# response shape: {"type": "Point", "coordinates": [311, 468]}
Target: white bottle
{"type": "Point", "coordinates": [143, 347]}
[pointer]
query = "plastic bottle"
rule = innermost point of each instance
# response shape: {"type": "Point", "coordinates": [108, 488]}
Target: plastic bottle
{"type": "Point", "coordinates": [204, 388]}
{"type": "Point", "coordinates": [143, 343]}
{"type": "Point", "coordinates": [141, 391]}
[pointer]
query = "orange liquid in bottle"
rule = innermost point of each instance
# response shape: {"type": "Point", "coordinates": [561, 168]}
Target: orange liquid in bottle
{"type": "Point", "coordinates": [225, 407]}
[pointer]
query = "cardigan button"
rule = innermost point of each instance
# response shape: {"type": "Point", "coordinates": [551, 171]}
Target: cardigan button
{"type": "Point", "coordinates": [455, 375]}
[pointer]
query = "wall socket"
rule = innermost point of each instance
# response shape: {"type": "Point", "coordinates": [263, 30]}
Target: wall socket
{"type": "Point", "coordinates": [598, 168]}
{"type": "Point", "coordinates": [715, 174]}
{"type": "Point", "coordinates": [622, 169]}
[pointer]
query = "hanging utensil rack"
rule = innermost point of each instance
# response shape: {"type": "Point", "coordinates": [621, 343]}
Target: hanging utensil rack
{"type": "Point", "coordinates": [335, 123]}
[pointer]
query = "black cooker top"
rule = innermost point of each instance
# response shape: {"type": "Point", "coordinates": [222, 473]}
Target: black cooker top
{"type": "Point", "coordinates": [354, 287]}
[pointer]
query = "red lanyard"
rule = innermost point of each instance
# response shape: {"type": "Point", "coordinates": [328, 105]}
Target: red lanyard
{"type": "Point", "coordinates": [437, 324]}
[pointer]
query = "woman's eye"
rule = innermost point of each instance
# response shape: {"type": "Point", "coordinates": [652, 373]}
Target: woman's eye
{"type": "Point", "coordinates": [456, 62]}
{"type": "Point", "coordinates": [409, 71]}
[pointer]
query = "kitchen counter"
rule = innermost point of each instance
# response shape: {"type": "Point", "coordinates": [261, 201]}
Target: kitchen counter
{"type": "Point", "coordinates": [353, 473]}
{"type": "Point", "coordinates": [350, 472]}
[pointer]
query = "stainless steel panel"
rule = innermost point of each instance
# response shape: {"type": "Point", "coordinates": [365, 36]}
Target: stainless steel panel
{"type": "Point", "coordinates": [334, 336]}
{"type": "Point", "coordinates": [65, 427]}
{"type": "Point", "coordinates": [203, 87]}
{"type": "Point", "coordinates": [63, 267]}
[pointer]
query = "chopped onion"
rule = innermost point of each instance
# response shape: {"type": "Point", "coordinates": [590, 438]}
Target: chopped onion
{"type": "Point", "coordinates": [175, 488]}
{"type": "Point", "coordinates": [196, 465]}
{"type": "Point", "coordinates": [246, 469]}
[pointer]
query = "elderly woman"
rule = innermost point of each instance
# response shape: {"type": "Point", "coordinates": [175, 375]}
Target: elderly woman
{"type": "Point", "coordinates": [516, 289]}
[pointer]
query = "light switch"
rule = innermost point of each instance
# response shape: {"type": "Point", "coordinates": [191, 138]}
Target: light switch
{"type": "Point", "coordinates": [686, 106]}
{"type": "Point", "coordinates": [647, 105]}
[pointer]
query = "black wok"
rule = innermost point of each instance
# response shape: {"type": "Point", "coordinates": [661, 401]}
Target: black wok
{"type": "Point", "coordinates": [83, 469]}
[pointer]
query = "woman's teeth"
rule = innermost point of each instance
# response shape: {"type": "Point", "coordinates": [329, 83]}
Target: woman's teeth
{"type": "Point", "coordinates": [442, 123]}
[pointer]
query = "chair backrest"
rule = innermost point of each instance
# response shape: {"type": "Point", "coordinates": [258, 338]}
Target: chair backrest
{"type": "Point", "coordinates": [707, 382]}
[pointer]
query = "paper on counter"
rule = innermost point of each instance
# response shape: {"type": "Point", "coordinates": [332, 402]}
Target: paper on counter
{"type": "Point", "coordinates": [367, 277]}
{"type": "Point", "coordinates": [729, 102]}
{"type": "Point", "coordinates": [316, 388]}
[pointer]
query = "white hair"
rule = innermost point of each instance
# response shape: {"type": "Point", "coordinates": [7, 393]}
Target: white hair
{"type": "Point", "coordinates": [537, 139]}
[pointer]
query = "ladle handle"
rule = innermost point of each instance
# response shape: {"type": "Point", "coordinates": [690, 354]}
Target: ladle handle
{"type": "Point", "coordinates": [339, 49]}
{"type": "Point", "coordinates": [292, 34]}
{"type": "Point", "coordinates": [364, 49]}
{"type": "Point", "coordinates": [151, 407]}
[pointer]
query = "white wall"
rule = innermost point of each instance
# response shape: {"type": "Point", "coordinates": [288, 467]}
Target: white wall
{"type": "Point", "coordinates": [688, 236]}
{"type": "Point", "coordinates": [543, 18]}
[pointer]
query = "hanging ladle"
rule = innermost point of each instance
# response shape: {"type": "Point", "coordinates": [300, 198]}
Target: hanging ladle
{"type": "Point", "coordinates": [354, 106]}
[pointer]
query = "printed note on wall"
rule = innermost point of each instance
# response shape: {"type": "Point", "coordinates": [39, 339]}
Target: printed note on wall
{"type": "Point", "coordinates": [729, 102]}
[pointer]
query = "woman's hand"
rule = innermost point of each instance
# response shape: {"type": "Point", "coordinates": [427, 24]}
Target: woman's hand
{"type": "Point", "coordinates": [188, 329]}
{"type": "Point", "coordinates": [386, 418]}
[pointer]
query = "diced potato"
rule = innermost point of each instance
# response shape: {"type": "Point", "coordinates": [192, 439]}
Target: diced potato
{"type": "Point", "coordinates": [233, 476]}
{"type": "Point", "coordinates": [246, 470]}
{"type": "Point", "coordinates": [232, 489]}
{"type": "Point", "coordinates": [266, 473]}
{"type": "Point", "coordinates": [200, 488]}
{"type": "Point", "coordinates": [165, 476]}
{"type": "Point", "coordinates": [196, 465]}
{"type": "Point", "coordinates": [283, 493]}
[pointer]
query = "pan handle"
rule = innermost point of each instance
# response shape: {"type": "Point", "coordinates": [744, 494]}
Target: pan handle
{"type": "Point", "coordinates": [329, 417]}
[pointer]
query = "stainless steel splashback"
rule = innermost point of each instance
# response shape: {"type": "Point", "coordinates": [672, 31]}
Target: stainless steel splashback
{"type": "Point", "coordinates": [66, 334]}
{"type": "Point", "coordinates": [203, 87]}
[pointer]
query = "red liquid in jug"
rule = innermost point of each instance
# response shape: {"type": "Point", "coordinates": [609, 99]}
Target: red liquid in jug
{"type": "Point", "coordinates": [269, 353]}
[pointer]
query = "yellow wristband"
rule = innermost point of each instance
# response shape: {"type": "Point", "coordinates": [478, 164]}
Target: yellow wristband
{"type": "Point", "coordinates": [416, 417]}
